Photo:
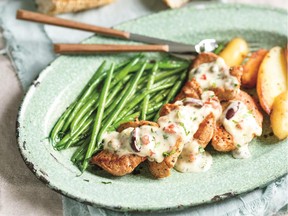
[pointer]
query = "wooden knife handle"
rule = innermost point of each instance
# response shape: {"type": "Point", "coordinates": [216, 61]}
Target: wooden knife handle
{"type": "Point", "coordinates": [41, 18]}
{"type": "Point", "coordinates": [107, 48]}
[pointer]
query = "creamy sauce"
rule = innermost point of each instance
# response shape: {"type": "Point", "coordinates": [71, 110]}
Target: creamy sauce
{"type": "Point", "coordinates": [193, 158]}
{"type": "Point", "coordinates": [156, 143]}
{"type": "Point", "coordinates": [242, 126]}
{"type": "Point", "coordinates": [214, 75]}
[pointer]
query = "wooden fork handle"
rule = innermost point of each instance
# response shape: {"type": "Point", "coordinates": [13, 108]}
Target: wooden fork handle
{"type": "Point", "coordinates": [107, 48]}
{"type": "Point", "coordinates": [41, 18]}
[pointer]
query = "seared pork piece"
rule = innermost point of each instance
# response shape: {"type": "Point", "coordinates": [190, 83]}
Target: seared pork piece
{"type": "Point", "coordinates": [205, 131]}
{"type": "Point", "coordinates": [135, 124]}
{"type": "Point", "coordinates": [115, 165]}
{"type": "Point", "coordinates": [203, 137]}
{"type": "Point", "coordinates": [204, 58]}
{"type": "Point", "coordinates": [191, 89]}
{"type": "Point", "coordinates": [125, 164]}
{"type": "Point", "coordinates": [163, 169]}
{"type": "Point", "coordinates": [224, 94]}
{"type": "Point", "coordinates": [251, 105]}
{"type": "Point", "coordinates": [222, 140]}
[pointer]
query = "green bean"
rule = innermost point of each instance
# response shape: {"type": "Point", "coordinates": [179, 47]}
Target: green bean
{"type": "Point", "coordinates": [86, 92]}
{"type": "Point", "coordinates": [168, 64]}
{"type": "Point", "coordinates": [77, 136]}
{"type": "Point", "coordinates": [80, 151]}
{"type": "Point", "coordinates": [172, 93]}
{"type": "Point", "coordinates": [160, 96]}
{"type": "Point", "coordinates": [121, 104]}
{"type": "Point", "coordinates": [150, 116]}
{"type": "Point", "coordinates": [68, 137]}
{"type": "Point", "coordinates": [128, 118]}
{"type": "Point", "coordinates": [154, 107]}
{"type": "Point", "coordinates": [219, 48]}
{"type": "Point", "coordinates": [149, 85]}
{"type": "Point", "coordinates": [59, 124]}
{"type": "Point", "coordinates": [82, 122]}
{"type": "Point", "coordinates": [162, 75]}
{"type": "Point", "coordinates": [62, 142]}
{"type": "Point", "coordinates": [176, 88]}
{"type": "Point", "coordinates": [115, 102]}
{"type": "Point", "coordinates": [86, 95]}
{"type": "Point", "coordinates": [99, 116]}
{"type": "Point", "coordinates": [88, 107]}
{"type": "Point", "coordinates": [140, 97]}
{"type": "Point", "coordinates": [78, 119]}
{"type": "Point", "coordinates": [123, 73]}
{"type": "Point", "coordinates": [169, 80]}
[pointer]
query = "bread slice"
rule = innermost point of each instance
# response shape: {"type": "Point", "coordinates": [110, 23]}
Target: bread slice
{"type": "Point", "coordinates": [65, 6]}
{"type": "Point", "coordinates": [175, 3]}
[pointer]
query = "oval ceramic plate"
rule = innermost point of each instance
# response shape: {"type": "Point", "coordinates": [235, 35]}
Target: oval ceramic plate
{"type": "Point", "coordinates": [59, 84]}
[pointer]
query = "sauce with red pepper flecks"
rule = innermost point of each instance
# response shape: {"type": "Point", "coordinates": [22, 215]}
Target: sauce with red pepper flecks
{"type": "Point", "coordinates": [214, 75]}
{"type": "Point", "coordinates": [239, 121]}
{"type": "Point", "coordinates": [156, 143]}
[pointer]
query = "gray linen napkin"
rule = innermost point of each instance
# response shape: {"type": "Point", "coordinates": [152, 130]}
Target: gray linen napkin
{"type": "Point", "coordinates": [30, 50]}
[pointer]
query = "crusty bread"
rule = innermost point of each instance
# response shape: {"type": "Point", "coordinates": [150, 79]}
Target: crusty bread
{"type": "Point", "coordinates": [175, 3]}
{"type": "Point", "coordinates": [65, 6]}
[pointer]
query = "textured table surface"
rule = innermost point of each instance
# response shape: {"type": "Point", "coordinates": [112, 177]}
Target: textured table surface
{"type": "Point", "coordinates": [20, 192]}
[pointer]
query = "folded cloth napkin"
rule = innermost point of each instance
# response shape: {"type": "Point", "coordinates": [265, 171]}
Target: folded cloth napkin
{"type": "Point", "coordinates": [30, 51]}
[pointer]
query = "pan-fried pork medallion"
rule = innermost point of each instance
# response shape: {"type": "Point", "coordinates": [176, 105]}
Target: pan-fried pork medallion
{"type": "Point", "coordinates": [178, 125]}
{"type": "Point", "coordinates": [211, 73]}
{"type": "Point", "coordinates": [185, 127]}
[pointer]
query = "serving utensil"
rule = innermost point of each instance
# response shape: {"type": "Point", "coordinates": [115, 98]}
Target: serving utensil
{"type": "Point", "coordinates": [162, 45]}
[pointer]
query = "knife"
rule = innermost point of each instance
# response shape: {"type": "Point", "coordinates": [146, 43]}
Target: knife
{"type": "Point", "coordinates": [174, 47]}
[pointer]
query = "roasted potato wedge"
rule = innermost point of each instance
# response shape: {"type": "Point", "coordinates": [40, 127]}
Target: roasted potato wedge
{"type": "Point", "coordinates": [272, 78]}
{"type": "Point", "coordinates": [251, 67]}
{"type": "Point", "coordinates": [279, 116]}
{"type": "Point", "coordinates": [235, 52]}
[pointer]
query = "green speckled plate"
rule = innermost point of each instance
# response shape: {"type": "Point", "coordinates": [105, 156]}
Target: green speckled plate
{"type": "Point", "coordinates": [62, 80]}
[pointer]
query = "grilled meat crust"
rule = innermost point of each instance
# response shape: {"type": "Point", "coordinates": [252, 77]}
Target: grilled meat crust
{"type": "Point", "coordinates": [222, 141]}
{"type": "Point", "coordinates": [135, 124]}
{"type": "Point", "coordinates": [115, 165]}
{"type": "Point", "coordinates": [119, 166]}
{"type": "Point", "coordinates": [204, 58]}
{"type": "Point", "coordinates": [163, 169]}
{"type": "Point", "coordinates": [220, 92]}
{"type": "Point", "coordinates": [191, 89]}
{"type": "Point", "coordinates": [205, 131]}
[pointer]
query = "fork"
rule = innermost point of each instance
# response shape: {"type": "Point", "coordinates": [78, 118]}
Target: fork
{"type": "Point", "coordinates": [160, 45]}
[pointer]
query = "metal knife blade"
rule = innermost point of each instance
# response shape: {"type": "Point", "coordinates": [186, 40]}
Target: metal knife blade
{"type": "Point", "coordinates": [175, 47]}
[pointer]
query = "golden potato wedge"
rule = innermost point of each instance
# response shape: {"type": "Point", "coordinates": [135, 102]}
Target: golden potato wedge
{"type": "Point", "coordinates": [235, 52]}
{"type": "Point", "coordinates": [251, 67]}
{"type": "Point", "coordinates": [272, 78]}
{"type": "Point", "coordinates": [279, 116]}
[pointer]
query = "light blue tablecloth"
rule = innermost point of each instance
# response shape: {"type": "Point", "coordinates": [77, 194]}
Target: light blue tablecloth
{"type": "Point", "coordinates": [29, 48]}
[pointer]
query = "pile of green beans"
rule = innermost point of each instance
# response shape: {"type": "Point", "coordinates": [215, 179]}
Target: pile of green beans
{"type": "Point", "coordinates": [136, 88]}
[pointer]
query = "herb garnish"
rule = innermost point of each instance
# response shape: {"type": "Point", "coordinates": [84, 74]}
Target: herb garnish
{"type": "Point", "coordinates": [201, 149]}
{"type": "Point", "coordinates": [183, 126]}
{"type": "Point", "coordinates": [103, 182]}
{"type": "Point", "coordinates": [166, 154]}
{"type": "Point", "coordinates": [165, 136]}
{"type": "Point", "coordinates": [178, 114]}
